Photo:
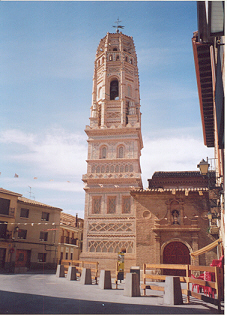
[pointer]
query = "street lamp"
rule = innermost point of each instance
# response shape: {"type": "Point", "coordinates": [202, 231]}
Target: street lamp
{"type": "Point", "coordinates": [203, 167]}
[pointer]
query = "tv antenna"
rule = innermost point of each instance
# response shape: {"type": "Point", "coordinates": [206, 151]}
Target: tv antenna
{"type": "Point", "coordinates": [30, 193]}
{"type": "Point", "coordinates": [118, 26]}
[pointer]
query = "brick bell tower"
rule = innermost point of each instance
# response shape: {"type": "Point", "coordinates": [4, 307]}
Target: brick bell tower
{"type": "Point", "coordinates": [114, 150]}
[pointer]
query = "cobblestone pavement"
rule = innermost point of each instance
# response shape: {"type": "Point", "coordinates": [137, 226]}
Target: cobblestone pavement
{"type": "Point", "coordinates": [47, 294]}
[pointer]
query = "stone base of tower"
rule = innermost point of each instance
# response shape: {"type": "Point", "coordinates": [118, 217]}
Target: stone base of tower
{"type": "Point", "coordinates": [108, 261]}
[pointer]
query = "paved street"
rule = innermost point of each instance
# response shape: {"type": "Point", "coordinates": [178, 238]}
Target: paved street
{"type": "Point", "coordinates": [47, 294]}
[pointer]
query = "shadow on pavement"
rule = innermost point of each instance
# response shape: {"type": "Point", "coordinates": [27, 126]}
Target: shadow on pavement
{"type": "Point", "coordinates": [19, 303]}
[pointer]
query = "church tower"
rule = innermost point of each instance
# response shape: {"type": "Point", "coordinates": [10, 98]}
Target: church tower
{"type": "Point", "coordinates": [114, 150]}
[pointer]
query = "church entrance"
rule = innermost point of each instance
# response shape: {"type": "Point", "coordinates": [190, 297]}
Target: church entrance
{"type": "Point", "coordinates": [176, 253]}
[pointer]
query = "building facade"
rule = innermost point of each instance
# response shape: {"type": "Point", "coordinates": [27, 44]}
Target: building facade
{"type": "Point", "coordinates": [29, 233]}
{"type": "Point", "coordinates": [172, 220]}
{"type": "Point", "coordinates": [114, 149]}
{"type": "Point", "coordinates": [70, 237]}
{"type": "Point", "coordinates": [209, 55]}
{"type": "Point", "coordinates": [34, 235]}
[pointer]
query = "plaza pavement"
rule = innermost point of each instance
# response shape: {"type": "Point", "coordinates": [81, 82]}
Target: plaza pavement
{"type": "Point", "coordinates": [46, 294]}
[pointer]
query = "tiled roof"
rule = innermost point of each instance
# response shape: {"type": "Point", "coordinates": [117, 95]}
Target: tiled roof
{"type": "Point", "coordinates": [9, 192]}
{"type": "Point", "coordinates": [68, 219]}
{"type": "Point", "coordinates": [35, 203]}
{"type": "Point", "coordinates": [168, 174]}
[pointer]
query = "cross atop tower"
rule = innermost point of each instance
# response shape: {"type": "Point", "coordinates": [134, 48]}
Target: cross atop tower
{"type": "Point", "coordinates": [118, 26]}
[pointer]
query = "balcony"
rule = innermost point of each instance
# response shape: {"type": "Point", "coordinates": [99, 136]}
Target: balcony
{"type": "Point", "coordinates": [69, 241]}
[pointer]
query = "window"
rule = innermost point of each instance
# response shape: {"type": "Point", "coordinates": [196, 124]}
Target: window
{"type": "Point", "coordinates": [22, 233]}
{"type": "Point", "coordinates": [111, 207]}
{"type": "Point", "coordinates": [42, 257]}
{"type": "Point", "coordinates": [3, 229]}
{"type": "Point", "coordinates": [71, 256]}
{"type": "Point", "coordinates": [115, 49]}
{"type": "Point", "coordinates": [121, 152]}
{"type": "Point", "coordinates": [100, 93]}
{"type": "Point", "coordinates": [45, 216]}
{"type": "Point", "coordinates": [110, 58]}
{"type": "Point", "coordinates": [103, 153]}
{"type": "Point", "coordinates": [114, 94]}
{"type": "Point", "coordinates": [66, 256]}
{"type": "Point", "coordinates": [24, 212]}
{"type": "Point", "coordinates": [4, 206]}
{"type": "Point", "coordinates": [117, 58]}
{"type": "Point", "coordinates": [96, 207]}
{"type": "Point", "coordinates": [43, 236]}
{"type": "Point", "coordinates": [129, 91]}
{"type": "Point", "coordinates": [126, 204]}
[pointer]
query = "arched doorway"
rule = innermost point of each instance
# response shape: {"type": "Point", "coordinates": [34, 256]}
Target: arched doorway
{"type": "Point", "coordinates": [176, 253]}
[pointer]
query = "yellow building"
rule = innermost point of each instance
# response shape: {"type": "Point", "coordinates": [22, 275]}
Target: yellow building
{"type": "Point", "coordinates": [70, 237]}
{"type": "Point", "coordinates": [29, 233]}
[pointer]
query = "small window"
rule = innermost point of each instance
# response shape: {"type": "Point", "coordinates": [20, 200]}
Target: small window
{"type": "Point", "coordinates": [71, 256]}
{"type": "Point", "coordinates": [96, 205]}
{"type": "Point", "coordinates": [111, 206]}
{"type": "Point", "coordinates": [22, 234]}
{"type": "Point", "coordinates": [103, 153]}
{"type": "Point", "coordinates": [115, 49]}
{"type": "Point", "coordinates": [45, 216]}
{"type": "Point", "coordinates": [66, 256]}
{"type": "Point", "coordinates": [42, 257]}
{"type": "Point", "coordinates": [24, 212]}
{"type": "Point", "coordinates": [114, 93]}
{"type": "Point", "coordinates": [121, 152]}
{"type": "Point", "coordinates": [117, 58]}
{"type": "Point", "coordinates": [110, 58]}
{"type": "Point", "coordinates": [126, 204]}
{"type": "Point", "coordinates": [43, 236]}
{"type": "Point", "coordinates": [126, 58]}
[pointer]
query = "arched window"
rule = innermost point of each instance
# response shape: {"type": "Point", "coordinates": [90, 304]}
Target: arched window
{"type": "Point", "coordinates": [100, 93]}
{"type": "Point", "coordinates": [121, 152]}
{"type": "Point", "coordinates": [117, 58]}
{"type": "Point", "coordinates": [126, 58]}
{"type": "Point", "coordinates": [114, 94]}
{"type": "Point", "coordinates": [110, 58]}
{"type": "Point", "coordinates": [103, 152]}
{"type": "Point", "coordinates": [115, 49]}
{"type": "Point", "coordinates": [129, 91]}
{"type": "Point", "coordinates": [131, 62]}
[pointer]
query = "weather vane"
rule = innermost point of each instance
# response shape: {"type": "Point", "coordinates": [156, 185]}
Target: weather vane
{"type": "Point", "coordinates": [118, 26]}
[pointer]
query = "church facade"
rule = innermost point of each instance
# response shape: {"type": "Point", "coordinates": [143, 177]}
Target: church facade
{"type": "Point", "coordinates": [166, 222]}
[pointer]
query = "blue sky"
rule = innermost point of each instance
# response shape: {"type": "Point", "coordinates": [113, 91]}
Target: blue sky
{"type": "Point", "coordinates": [47, 60]}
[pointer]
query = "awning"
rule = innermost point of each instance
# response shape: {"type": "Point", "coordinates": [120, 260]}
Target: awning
{"type": "Point", "coordinates": [207, 248]}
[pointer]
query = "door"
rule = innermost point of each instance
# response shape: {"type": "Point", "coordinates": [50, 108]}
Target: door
{"type": "Point", "coordinates": [22, 258]}
{"type": "Point", "coordinates": [176, 253]}
{"type": "Point", "coordinates": [2, 257]}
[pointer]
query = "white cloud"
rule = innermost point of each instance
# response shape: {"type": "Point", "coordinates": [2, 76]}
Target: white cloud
{"type": "Point", "coordinates": [55, 153]}
{"type": "Point", "coordinates": [176, 153]}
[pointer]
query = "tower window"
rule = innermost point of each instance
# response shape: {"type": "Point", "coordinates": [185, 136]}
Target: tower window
{"type": "Point", "coordinates": [111, 205]}
{"type": "Point", "coordinates": [121, 152]}
{"type": "Point", "coordinates": [103, 153]}
{"type": "Point", "coordinates": [111, 58]}
{"type": "Point", "coordinates": [115, 49]}
{"type": "Point", "coordinates": [117, 58]}
{"type": "Point", "coordinates": [126, 58]}
{"type": "Point", "coordinates": [114, 93]}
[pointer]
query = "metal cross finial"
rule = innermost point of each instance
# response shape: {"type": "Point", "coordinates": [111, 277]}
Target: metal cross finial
{"type": "Point", "coordinates": [118, 26]}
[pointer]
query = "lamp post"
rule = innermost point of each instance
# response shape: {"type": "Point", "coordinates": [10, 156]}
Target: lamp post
{"type": "Point", "coordinates": [213, 196]}
{"type": "Point", "coordinates": [203, 167]}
